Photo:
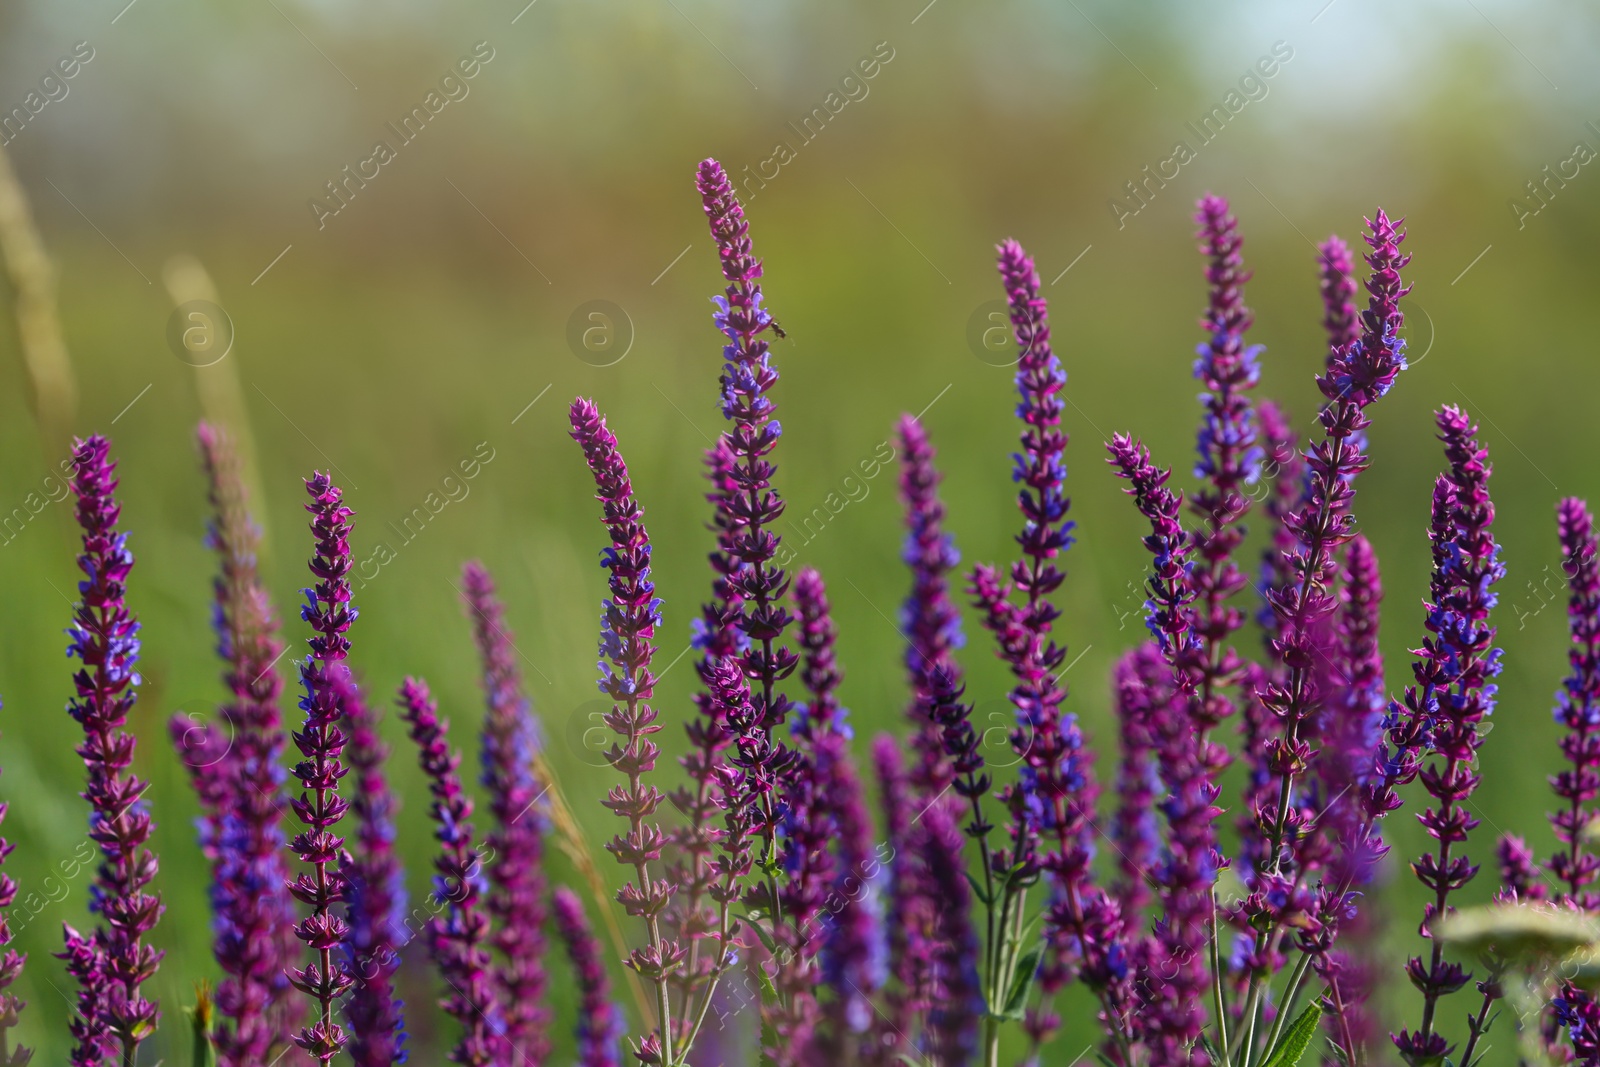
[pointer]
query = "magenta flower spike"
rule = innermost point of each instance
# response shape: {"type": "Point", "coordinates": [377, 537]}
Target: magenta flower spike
{"type": "Point", "coordinates": [829, 900]}
{"type": "Point", "coordinates": [1457, 668]}
{"type": "Point", "coordinates": [695, 917]}
{"type": "Point", "coordinates": [1337, 282]}
{"type": "Point", "coordinates": [1357, 375]}
{"type": "Point", "coordinates": [1187, 762]}
{"type": "Point", "coordinates": [375, 889]}
{"type": "Point", "coordinates": [1578, 709]}
{"type": "Point", "coordinates": [1230, 461]}
{"type": "Point", "coordinates": [754, 507]}
{"type": "Point", "coordinates": [321, 742]}
{"type": "Point", "coordinates": [235, 769]}
{"type": "Point", "coordinates": [458, 940]}
{"type": "Point", "coordinates": [599, 1020]}
{"type": "Point", "coordinates": [627, 644]}
{"type": "Point", "coordinates": [516, 897]}
{"type": "Point", "coordinates": [111, 964]}
{"type": "Point", "coordinates": [929, 618]}
{"type": "Point", "coordinates": [913, 954]}
{"type": "Point", "coordinates": [1141, 685]}
{"type": "Point", "coordinates": [1050, 825]}
{"type": "Point", "coordinates": [11, 964]}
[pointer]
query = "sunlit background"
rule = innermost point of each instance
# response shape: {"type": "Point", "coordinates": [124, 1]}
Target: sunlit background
{"type": "Point", "coordinates": [433, 317]}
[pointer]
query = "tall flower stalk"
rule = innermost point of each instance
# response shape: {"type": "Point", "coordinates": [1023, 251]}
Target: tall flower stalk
{"type": "Point", "coordinates": [1457, 668]}
{"type": "Point", "coordinates": [111, 964]}
{"type": "Point", "coordinates": [235, 768]}
{"type": "Point", "coordinates": [599, 1020]}
{"type": "Point", "coordinates": [321, 742]}
{"type": "Point", "coordinates": [459, 939]}
{"type": "Point", "coordinates": [1187, 765]}
{"type": "Point", "coordinates": [928, 617]}
{"type": "Point", "coordinates": [375, 888]}
{"type": "Point", "coordinates": [1051, 806]}
{"type": "Point", "coordinates": [627, 645]}
{"type": "Point", "coordinates": [11, 964]}
{"type": "Point", "coordinates": [1578, 709]}
{"type": "Point", "coordinates": [1356, 376]}
{"type": "Point", "coordinates": [753, 505]}
{"type": "Point", "coordinates": [516, 897]}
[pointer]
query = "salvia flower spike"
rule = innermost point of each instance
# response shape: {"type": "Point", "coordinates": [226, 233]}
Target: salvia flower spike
{"type": "Point", "coordinates": [627, 645]}
{"type": "Point", "coordinates": [1357, 375]}
{"type": "Point", "coordinates": [599, 1020]}
{"type": "Point", "coordinates": [1578, 709]}
{"type": "Point", "coordinates": [929, 618]}
{"type": "Point", "coordinates": [11, 964]}
{"type": "Point", "coordinates": [375, 890]}
{"type": "Point", "coordinates": [516, 878]}
{"type": "Point", "coordinates": [1337, 282]}
{"type": "Point", "coordinates": [235, 768]}
{"type": "Point", "coordinates": [754, 506]}
{"type": "Point", "coordinates": [1457, 667]}
{"type": "Point", "coordinates": [111, 964]}
{"type": "Point", "coordinates": [321, 741]}
{"type": "Point", "coordinates": [458, 939]}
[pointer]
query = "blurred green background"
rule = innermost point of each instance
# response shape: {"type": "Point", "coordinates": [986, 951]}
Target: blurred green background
{"type": "Point", "coordinates": [425, 317]}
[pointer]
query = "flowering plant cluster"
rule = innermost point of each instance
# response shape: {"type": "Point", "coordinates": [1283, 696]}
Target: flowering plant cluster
{"type": "Point", "coordinates": [992, 878]}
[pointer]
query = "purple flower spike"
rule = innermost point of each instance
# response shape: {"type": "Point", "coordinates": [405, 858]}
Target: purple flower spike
{"type": "Point", "coordinates": [459, 939]}
{"type": "Point", "coordinates": [1357, 375]}
{"type": "Point", "coordinates": [1230, 459]}
{"type": "Point", "coordinates": [696, 918]}
{"type": "Point", "coordinates": [1056, 795]}
{"type": "Point", "coordinates": [929, 618]}
{"type": "Point", "coordinates": [1337, 281]}
{"type": "Point", "coordinates": [11, 964]}
{"type": "Point", "coordinates": [1142, 684]}
{"type": "Point", "coordinates": [1455, 691]}
{"type": "Point", "coordinates": [375, 889]}
{"type": "Point", "coordinates": [753, 505]}
{"type": "Point", "coordinates": [1578, 708]}
{"type": "Point", "coordinates": [516, 879]}
{"type": "Point", "coordinates": [599, 1020]}
{"type": "Point", "coordinates": [830, 852]}
{"type": "Point", "coordinates": [1187, 762]}
{"type": "Point", "coordinates": [627, 632]}
{"type": "Point", "coordinates": [235, 771]}
{"type": "Point", "coordinates": [114, 962]}
{"type": "Point", "coordinates": [321, 741]}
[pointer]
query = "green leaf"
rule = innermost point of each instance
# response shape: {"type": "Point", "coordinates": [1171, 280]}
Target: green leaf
{"type": "Point", "coordinates": [1211, 1050]}
{"type": "Point", "coordinates": [1021, 986]}
{"type": "Point", "coordinates": [753, 921]}
{"type": "Point", "coordinates": [1295, 1040]}
{"type": "Point", "coordinates": [978, 890]}
{"type": "Point", "coordinates": [769, 1036]}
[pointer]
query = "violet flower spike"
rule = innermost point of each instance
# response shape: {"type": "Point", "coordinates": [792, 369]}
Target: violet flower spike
{"type": "Point", "coordinates": [747, 378]}
{"type": "Point", "coordinates": [1230, 460]}
{"type": "Point", "coordinates": [627, 632]}
{"type": "Point", "coordinates": [1337, 282]}
{"type": "Point", "coordinates": [236, 774]}
{"type": "Point", "coordinates": [11, 964]}
{"type": "Point", "coordinates": [695, 917]}
{"type": "Point", "coordinates": [599, 1020]}
{"type": "Point", "coordinates": [321, 741]}
{"type": "Point", "coordinates": [913, 953]}
{"type": "Point", "coordinates": [1141, 683]}
{"type": "Point", "coordinates": [1051, 807]}
{"type": "Point", "coordinates": [1187, 761]}
{"type": "Point", "coordinates": [1458, 664]}
{"type": "Point", "coordinates": [111, 965]}
{"type": "Point", "coordinates": [458, 940]}
{"type": "Point", "coordinates": [516, 897]}
{"type": "Point", "coordinates": [929, 618]}
{"type": "Point", "coordinates": [375, 889]}
{"type": "Point", "coordinates": [1578, 709]}
{"type": "Point", "coordinates": [1357, 376]}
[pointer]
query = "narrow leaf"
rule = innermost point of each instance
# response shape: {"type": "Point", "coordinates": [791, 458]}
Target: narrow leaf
{"type": "Point", "coordinates": [1296, 1039]}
